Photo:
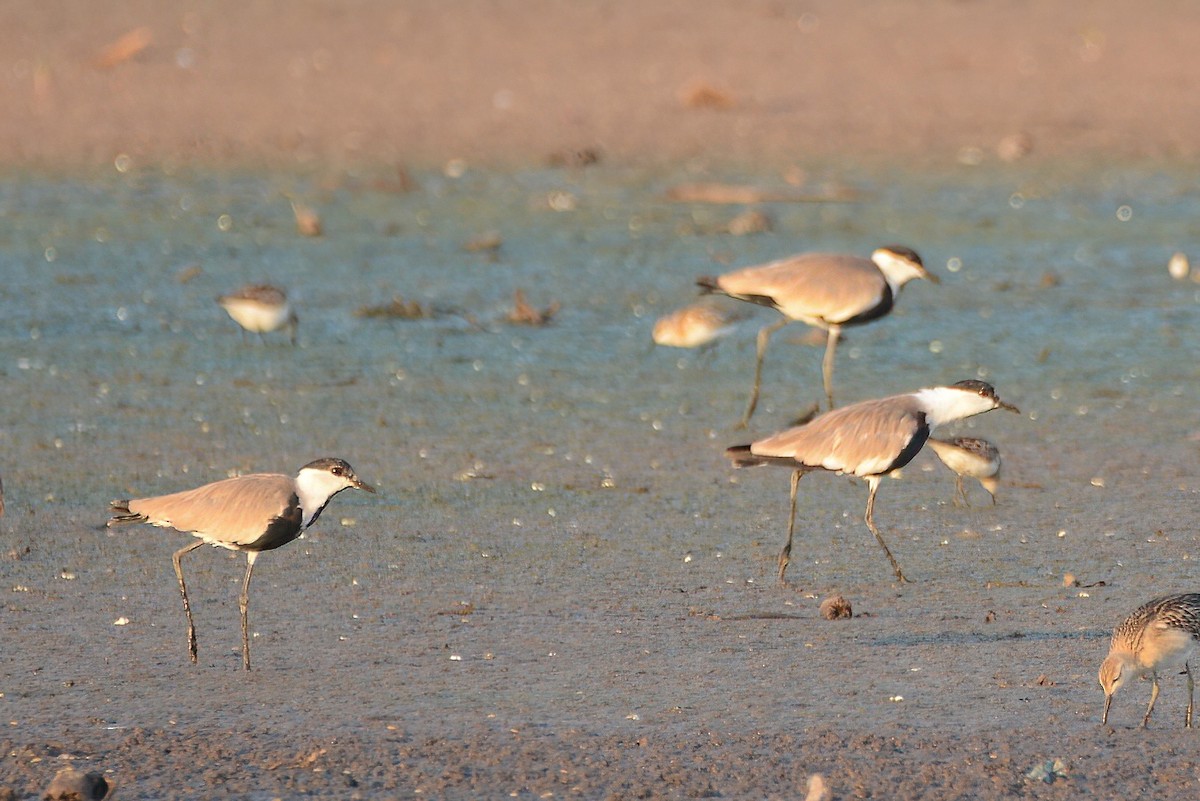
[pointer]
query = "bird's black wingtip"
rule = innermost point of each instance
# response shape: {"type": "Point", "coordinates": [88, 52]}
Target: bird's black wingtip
{"type": "Point", "coordinates": [122, 515]}
{"type": "Point", "coordinates": [741, 456]}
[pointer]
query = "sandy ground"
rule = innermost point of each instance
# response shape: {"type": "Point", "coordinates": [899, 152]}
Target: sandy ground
{"type": "Point", "coordinates": [521, 82]}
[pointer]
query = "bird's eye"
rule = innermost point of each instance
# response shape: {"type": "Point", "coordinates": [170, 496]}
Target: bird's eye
{"type": "Point", "coordinates": [337, 471]}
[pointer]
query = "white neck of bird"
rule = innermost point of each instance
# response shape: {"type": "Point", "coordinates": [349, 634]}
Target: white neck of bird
{"type": "Point", "coordinates": [946, 404]}
{"type": "Point", "coordinates": [896, 271]}
{"type": "Point", "coordinates": [314, 488]}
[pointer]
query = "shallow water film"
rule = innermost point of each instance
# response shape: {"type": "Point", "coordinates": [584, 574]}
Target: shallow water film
{"type": "Point", "coordinates": [563, 589]}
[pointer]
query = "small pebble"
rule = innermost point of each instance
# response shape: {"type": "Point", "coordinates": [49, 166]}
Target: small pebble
{"type": "Point", "coordinates": [701, 94]}
{"type": "Point", "coordinates": [75, 785]}
{"type": "Point", "coordinates": [1047, 772]}
{"type": "Point", "coordinates": [308, 221]}
{"type": "Point", "coordinates": [1014, 147]}
{"type": "Point", "coordinates": [1178, 266]}
{"type": "Point", "coordinates": [752, 221]}
{"type": "Point", "coordinates": [835, 607]}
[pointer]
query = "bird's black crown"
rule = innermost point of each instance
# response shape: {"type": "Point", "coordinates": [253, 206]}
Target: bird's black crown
{"type": "Point", "coordinates": [982, 388]}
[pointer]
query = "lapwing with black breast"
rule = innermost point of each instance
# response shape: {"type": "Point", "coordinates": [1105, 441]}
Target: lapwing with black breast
{"type": "Point", "coordinates": [251, 513]}
{"type": "Point", "coordinates": [827, 290]}
{"type": "Point", "coordinates": [868, 439]}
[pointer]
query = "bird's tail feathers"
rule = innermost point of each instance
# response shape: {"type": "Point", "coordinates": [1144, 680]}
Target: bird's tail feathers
{"type": "Point", "coordinates": [122, 515]}
{"type": "Point", "coordinates": [710, 286]}
{"type": "Point", "coordinates": [741, 456]}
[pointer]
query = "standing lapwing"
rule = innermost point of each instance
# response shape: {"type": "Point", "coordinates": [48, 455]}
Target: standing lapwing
{"type": "Point", "coordinates": [868, 439]}
{"type": "Point", "coordinates": [251, 513]}
{"type": "Point", "coordinates": [825, 290]}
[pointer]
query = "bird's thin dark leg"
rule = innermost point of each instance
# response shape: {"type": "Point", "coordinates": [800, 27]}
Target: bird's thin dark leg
{"type": "Point", "coordinates": [1153, 698]}
{"type": "Point", "coordinates": [835, 333]}
{"type": "Point", "coordinates": [187, 607]}
{"type": "Point", "coordinates": [785, 555]}
{"type": "Point", "coordinates": [1187, 720]}
{"type": "Point", "coordinates": [244, 605]}
{"type": "Point", "coordinates": [764, 336]}
{"type": "Point", "coordinates": [870, 518]}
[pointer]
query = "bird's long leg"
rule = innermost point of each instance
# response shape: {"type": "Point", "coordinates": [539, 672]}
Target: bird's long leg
{"type": "Point", "coordinates": [187, 607]}
{"type": "Point", "coordinates": [764, 336]}
{"type": "Point", "coordinates": [244, 605]}
{"type": "Point", "coordinates": [961, 492]}
{"type": "Point", "coordinates": [1153, 698]}
{"type": "Point", "coordinates": [1187, 720]}
{"type": "Point", "coordinates": [785, 555]}
{"type": "Point", "coordinates": [873, 483]}
{"type": "Point", "coordinates": [835, 333]}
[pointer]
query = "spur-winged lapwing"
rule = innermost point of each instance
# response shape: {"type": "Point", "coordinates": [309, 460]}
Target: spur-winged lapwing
{"type": "Point", "coordinates": [251, 513]}
{"type": "Point", "coordinates": [826, 290]}
{"type": "Point", "coordinates": [868, 439]}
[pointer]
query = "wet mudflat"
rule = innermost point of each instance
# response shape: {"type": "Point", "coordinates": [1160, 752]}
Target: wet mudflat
{"type": "Point", "coordinates": [562, 588]}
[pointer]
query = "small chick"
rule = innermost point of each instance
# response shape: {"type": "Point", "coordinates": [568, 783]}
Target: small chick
{"type": "Point", "coordinates": [261, 309]}
{"type": "Point", "coordinates": [969, 456]}
{"type": "Point", "coordinates": [695, 326]}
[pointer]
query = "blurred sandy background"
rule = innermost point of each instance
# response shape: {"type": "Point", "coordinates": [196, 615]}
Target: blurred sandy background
{"type": "Point", "coordinates": [514, 83]}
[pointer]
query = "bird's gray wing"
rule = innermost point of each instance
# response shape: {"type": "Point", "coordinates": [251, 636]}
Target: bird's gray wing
{"type": "Point", "coordinates": [235, 511]}
{"type": "Point", "coordinates": [814, 287]}
{"type": "Point", "coordinates": [864, 439]}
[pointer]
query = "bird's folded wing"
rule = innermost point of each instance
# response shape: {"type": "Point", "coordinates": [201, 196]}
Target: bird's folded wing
{"type": "Point", "coordinates": [864, 439]}
{"type": "Point", "coordinates": [235, 511]}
